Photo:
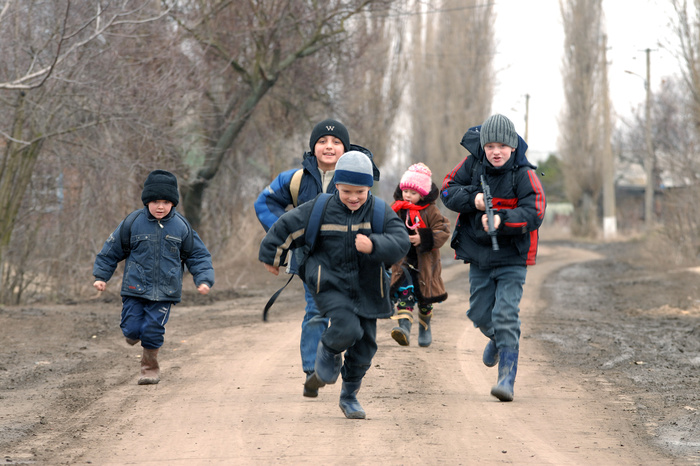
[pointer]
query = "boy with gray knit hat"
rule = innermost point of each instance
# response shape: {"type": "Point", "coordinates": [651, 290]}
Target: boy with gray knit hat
{"type": "Point", "coordinates": [156, 242]}
{"type": "Point", "coordinates": [496, 275]}
{"type": "Point", "coordinates": [345, 270]}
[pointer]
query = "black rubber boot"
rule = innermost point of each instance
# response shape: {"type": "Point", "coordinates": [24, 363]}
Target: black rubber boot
{"type": "Point", "coordinates": [328, 365]}
{"type": "Point", "coordinates": [425, 335]}
{"type": "Point", "coordinates": [311, 385]}
{"type": "Point", "coordinates": [348, 401]}
{"type": "Point", "coordinates": [402, 333]}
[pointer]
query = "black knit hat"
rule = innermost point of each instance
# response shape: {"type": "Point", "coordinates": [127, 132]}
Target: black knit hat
{"type": "Point", "coordinates": [160, 184]}
{"type": "Point", "coordinates": [498, 128]}
{"type": "Point", "coordinates": [332, 128]}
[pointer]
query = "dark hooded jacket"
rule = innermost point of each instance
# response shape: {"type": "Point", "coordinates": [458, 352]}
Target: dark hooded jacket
{"type": "Point", "coordinates": [518, 198]}
{"type": "Point", "coordinates": [426, 256]}
{"type": "Point", "coordinates": [337, 274]}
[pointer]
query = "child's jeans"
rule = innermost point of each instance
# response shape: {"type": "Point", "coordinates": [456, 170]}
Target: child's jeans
{"type": "Point", "coordinates": [145, 320]}
{"type": "Point", "coordinates": [494, 302]}
{"type": "Point", "coordinates": [312, 327]}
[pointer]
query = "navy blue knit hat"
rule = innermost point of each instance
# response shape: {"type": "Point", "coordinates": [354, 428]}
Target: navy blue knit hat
{"type": "Point", "coordinates": [354, 168]}
{"type": "Point", "coordinates": [329, 127]}
{"type": "Point", "coordinates": [160, 184]}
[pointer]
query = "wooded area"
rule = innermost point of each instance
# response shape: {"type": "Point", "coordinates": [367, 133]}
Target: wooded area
{"type": "Point", "coordinates": [224, 93]}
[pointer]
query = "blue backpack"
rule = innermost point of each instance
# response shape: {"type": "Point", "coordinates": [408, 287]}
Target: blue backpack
{"type": "Point", "coordinates": [313, 227]}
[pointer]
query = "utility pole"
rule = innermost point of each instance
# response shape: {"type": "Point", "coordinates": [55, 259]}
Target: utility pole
{"type": "Point", "coordinates": [527, 114]}
{"type": "Point", "coordinates": [649, 160]}
{"type": "Point", "coordinates": [609, 214]}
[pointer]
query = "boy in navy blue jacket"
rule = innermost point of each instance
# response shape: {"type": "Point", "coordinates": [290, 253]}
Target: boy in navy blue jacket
{"type": "Point", "coordinates": [154, 267]}
{"type": "Point", "coordinates": [346, 273]}
{"type": "Point", "coordinates": [329, 140]}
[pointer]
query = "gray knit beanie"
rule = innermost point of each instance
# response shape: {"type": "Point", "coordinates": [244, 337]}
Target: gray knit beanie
{"type": "Point", "coordinates": [498, 128]}
{"type": "Point", "coordinates": [329, 128]}
{"type": "Point", "coordinates": [354, 168]}
{"type": "Point", "coordinates": [160, 185]}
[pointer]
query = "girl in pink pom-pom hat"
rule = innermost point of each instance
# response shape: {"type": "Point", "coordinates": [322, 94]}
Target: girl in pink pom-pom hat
{"type": "Point", "coordinates": [417, 278]}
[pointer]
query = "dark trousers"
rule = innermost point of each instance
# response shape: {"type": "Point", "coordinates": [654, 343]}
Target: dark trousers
{"type": "Point", "coordinates": [145, 320]}
{"type": "Point", "coordinates": [355, 335]}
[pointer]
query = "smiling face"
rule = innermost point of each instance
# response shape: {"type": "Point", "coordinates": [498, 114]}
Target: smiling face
{"type": "Point", "coordinates": [353, 197]}
{"type": "Point", "coordinates": [497, 153]}
{"type": "Point", "coordinates": [160, 208]}
{"type": "Point", "coordinates": [328, 150]}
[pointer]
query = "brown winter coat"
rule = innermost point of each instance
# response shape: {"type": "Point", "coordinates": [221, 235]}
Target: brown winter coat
{"type": "Point", "coordinates": [430, 288]}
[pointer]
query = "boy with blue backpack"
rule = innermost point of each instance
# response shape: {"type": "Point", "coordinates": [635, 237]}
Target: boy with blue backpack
{"type": "Point", "coordinates": [329, 140]}
{"type": "Point", "coordinates": [345, 270]}
{"type": "Point", "coordinates": [156, 242]}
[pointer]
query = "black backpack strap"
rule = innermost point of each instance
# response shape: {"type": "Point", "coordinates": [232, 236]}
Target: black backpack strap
{"type": "Point", "coordinates": [313, 226]}
{"type": "Point", "coordinates": [378, 215]}
{"type": "Point", "coordinates": [125, 231]}
{"type": "Point", "coordinates": [187, 245]}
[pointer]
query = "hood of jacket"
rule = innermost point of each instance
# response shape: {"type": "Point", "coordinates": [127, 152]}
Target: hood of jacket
{"type": "Point", "coordinates": [472, 142]}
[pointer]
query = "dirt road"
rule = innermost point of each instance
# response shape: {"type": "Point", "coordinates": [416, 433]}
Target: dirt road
{"type": "Point", "coordinates": [231, 394]}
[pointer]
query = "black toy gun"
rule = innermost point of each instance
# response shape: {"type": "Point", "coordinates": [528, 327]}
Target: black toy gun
{"type": "Point", "coordinates": [488, 201]}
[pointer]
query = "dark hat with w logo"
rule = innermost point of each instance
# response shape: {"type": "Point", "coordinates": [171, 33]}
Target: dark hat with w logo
{"type": "Point", "coordinates": [329, 128]}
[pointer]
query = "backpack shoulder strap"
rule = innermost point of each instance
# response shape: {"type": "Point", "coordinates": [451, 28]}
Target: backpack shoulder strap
{"type": "Point", "coordinates": [378, 215]}
{"type": "Point", "coordinates": [188, 242]}
{"type": "Point", "coordinates": [314, 224]}
{"type": "Point", "coordinates": [294, 186]}
{"type": "Point", "coordinates": [125, 230]}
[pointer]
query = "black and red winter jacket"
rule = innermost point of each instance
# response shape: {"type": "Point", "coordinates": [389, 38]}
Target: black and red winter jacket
{"type": "Point", "coordinates": [518, 198]}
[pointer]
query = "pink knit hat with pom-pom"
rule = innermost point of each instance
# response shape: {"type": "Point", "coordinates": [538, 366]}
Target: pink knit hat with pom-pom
{"type": "Point", "coordinates": [417, 178]}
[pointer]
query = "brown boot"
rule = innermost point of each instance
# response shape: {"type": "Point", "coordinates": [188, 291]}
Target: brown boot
{"type": "Point", "coordinates": [131, 341]}
{"type": "Point", "coordinates": [150, 372]}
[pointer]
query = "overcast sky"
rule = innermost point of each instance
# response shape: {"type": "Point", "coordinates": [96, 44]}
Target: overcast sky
{"type": "Point", "coordinates": [529, 45]}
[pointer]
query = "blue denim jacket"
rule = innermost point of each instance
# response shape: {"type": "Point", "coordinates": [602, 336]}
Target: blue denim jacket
{"type": "Point", "coordinates": [154, 270]}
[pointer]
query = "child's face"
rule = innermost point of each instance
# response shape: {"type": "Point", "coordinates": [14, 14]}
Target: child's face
{"type": "Point", "coordinates": [497, 153]}
{"type": "Point", "coordinates": [411, 196]}
{"type": "Point", "coordinates": [160, 208]}
{"type": "Point", "coordinates": [352, 196]}
{"type": "Point", "coordinates": [328, 150]}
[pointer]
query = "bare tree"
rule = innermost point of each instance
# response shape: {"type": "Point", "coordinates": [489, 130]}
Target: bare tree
{"type": "Point", "coordinates": [241, 51]}
{"type": "Point", "coordinates": [47, 51]}
{"type": "Point", "coordinates": [581, 123]}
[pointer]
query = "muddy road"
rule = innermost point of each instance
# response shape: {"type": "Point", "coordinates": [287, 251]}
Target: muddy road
{"type": "Point", "coordinates": [609, 374]}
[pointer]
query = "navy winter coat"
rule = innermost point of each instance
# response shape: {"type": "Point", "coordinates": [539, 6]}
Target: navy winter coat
{"type": "Point", "coordinates": [153, 270]}
{"type": "Point", "coordinates": [337, 274]}
{"type": "Point", "coordinates": [276, 197]}
{"type": "Point", "coordinates": [518, 198]}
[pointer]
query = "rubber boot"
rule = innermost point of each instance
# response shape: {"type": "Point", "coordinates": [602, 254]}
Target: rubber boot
{"type": "Point", "coordinates": [326, 370]}
{"type": "Point", "coordinates": [311, 385]}
{"type": "Point", "coordinates": [150, 371]}
{"type": "Point", "coordinates": [131, 341]}
{"type": "Point", "coordinates": [402, 333]}
{"type": "Point", "coordinates": [348, 401]}
{"type": "Point", "coordinates": [507, 368]}
{"type": "Point", "coordinates": [490, 357]}
{"type": "Point", "coordinates": [425, 335]}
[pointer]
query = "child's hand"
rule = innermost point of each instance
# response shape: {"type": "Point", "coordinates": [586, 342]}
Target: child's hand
{"type": "Point", "coordinates": [485, 222]}
{"type": "Point", "coordinates": [203, 288]}
{"type": "Point", "coordinates": [364, 244]}
{"type": "Point", "coordinates": [479, 202]}
{"type": "Point", "coordinates": [414, 239]}
{"type": "Point", "coordinates": [272, 269]}
{"type": "Point", "coordinates": [100, 285]}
